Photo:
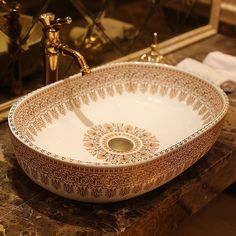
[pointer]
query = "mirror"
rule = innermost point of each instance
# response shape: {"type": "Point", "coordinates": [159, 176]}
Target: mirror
{"type": "Point", "coordinates": [103, 31]}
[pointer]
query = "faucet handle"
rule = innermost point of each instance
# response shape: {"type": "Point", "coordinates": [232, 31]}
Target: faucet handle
{"type": "Point", "coordinates": [48, 20]}
{"type": "Point", "coordinates": [62, 21]}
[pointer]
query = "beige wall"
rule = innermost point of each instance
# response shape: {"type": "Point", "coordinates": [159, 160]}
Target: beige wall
{"type": "Point", "coordinates": [230, 1]}
{"type": "Point", "coordinates": [228, 11]}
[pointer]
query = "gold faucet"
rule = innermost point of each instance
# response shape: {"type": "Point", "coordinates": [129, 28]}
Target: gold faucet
{"type": "Point", "coordinates": [53, 47]}
{"type": "Point", "coordinates": [154, 55]}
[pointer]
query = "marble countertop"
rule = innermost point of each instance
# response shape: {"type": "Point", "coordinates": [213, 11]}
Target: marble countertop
{"type": "Point", "coordinates": [27, 209]}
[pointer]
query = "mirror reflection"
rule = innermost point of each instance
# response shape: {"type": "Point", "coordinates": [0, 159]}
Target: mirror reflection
{"type": "Point", "coordinates": [101, 30]}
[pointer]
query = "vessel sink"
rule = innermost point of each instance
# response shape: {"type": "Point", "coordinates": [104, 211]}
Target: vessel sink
{"type": "Point", "coordinates": [116, 133]}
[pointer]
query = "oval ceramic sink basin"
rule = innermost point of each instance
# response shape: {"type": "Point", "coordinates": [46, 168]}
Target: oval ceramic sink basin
{"type": "Point", "coordinates": [116, 133]}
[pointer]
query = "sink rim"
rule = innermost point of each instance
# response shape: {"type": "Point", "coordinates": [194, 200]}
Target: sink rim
{"type": "Point", "coordinates": [160, 154]}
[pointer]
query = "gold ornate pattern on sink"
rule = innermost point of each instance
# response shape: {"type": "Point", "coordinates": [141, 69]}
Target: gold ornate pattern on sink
{"type": "Point", "coordinates": [133, 144]}
{"type": "Point", "coordinates": [113, 179]}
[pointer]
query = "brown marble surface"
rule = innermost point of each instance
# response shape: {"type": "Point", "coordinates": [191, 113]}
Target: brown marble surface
{"type": "Point", "coordinates": [27, 209]}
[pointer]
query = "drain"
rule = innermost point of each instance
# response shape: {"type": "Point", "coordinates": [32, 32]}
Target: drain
{"type": "Point", "coordinates": [120, 144]}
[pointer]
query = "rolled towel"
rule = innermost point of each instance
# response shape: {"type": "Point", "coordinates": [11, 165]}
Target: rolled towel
{"type": "Point", "coordinates": [221, 61]}
{"type": "Point", "coordinates": [205, 71]}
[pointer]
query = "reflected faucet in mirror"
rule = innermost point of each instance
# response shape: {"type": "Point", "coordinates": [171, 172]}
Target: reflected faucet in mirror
{"type": "Point", "coordinates": [53, 47]}
{"type": "Point", "coordinates": [10, 6]}
{"type": "Point", "coordinates": [13, 28]}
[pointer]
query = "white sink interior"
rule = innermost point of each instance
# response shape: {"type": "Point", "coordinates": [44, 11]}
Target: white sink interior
{"type": "Point", "coordinates": [166, 118]}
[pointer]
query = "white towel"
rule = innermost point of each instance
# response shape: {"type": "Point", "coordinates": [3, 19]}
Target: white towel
{"type": "Point", "coordinates": [223, 64]}
{"type": "Point", "coordinates": [217, 67]}
{"type": "Point", "coordinates": [196, 67]}
{"type": "Point", "coordinates": [221, 61]}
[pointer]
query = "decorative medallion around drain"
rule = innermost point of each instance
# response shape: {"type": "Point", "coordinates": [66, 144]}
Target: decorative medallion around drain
{"type": "Point", "coordinates": [118, 143]}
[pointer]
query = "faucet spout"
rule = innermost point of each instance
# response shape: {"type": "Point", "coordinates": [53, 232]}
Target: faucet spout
{"type": "Point", "coordinates": [53, 47]}
{"type": "Point", "coordinates": [66, 50]}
